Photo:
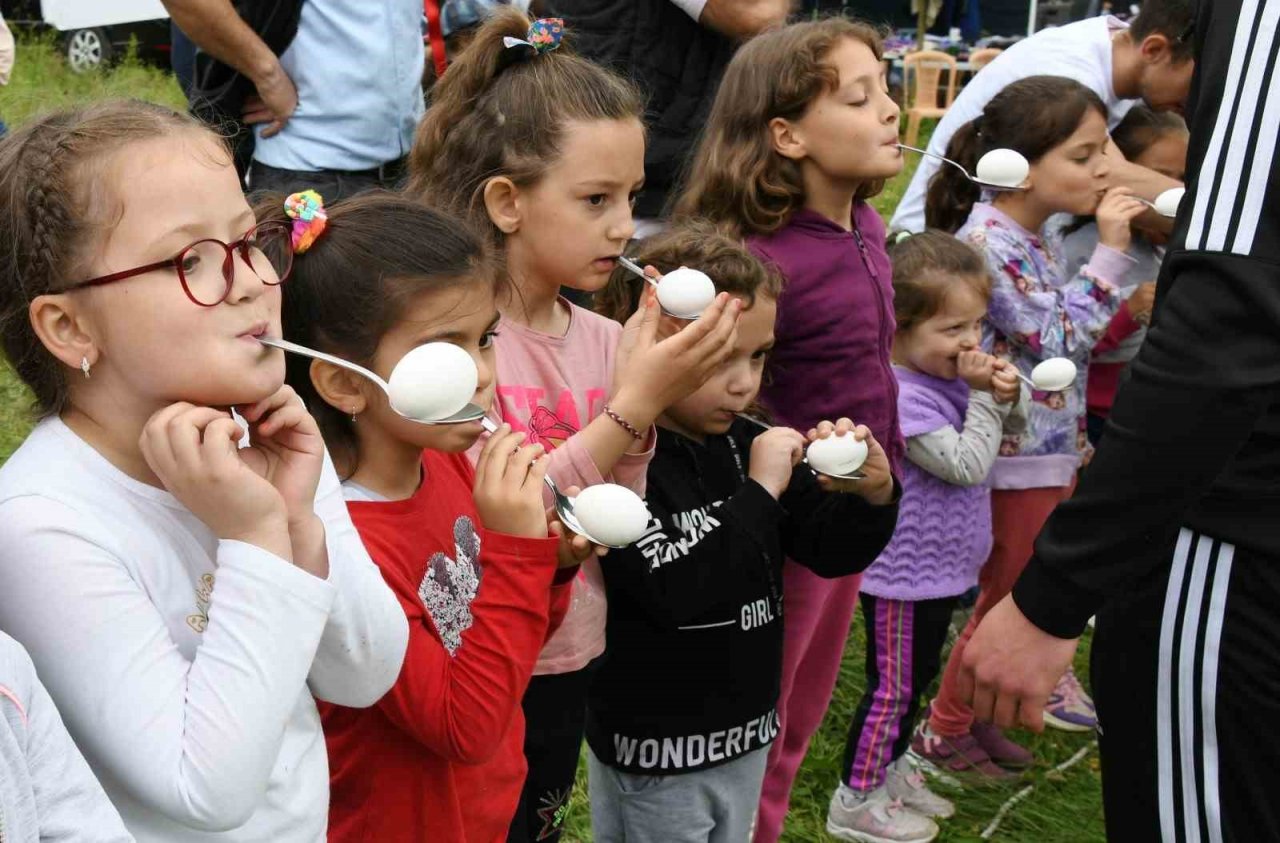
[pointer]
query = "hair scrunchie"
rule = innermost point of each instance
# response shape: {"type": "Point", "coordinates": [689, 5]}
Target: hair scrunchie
{"type": "Point", "coordinates": [544, 36]}
{"type": "Point", "coordinates": [306, 209]}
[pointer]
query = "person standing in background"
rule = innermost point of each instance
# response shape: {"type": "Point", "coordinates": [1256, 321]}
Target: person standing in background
{"type": "Point", "coordinates": [335, 112]}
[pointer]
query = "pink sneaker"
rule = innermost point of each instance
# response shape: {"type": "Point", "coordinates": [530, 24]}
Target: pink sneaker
{"type": "Point", "coordinates": [1006, 753]}
{"type": "Point", "coordinates": [1069, 707]}
{"type": "Point", "coordinates": [961, 755]}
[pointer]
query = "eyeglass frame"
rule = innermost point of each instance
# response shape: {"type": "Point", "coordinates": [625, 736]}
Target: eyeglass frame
{"type": "Point", "coordinates": [228, 267]}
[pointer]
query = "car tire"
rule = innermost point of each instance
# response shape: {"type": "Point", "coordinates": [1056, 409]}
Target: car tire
{"type": "Point", "coordinates": [86, 49]}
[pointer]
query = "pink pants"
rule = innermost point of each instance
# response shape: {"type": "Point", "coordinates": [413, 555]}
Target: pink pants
{"type": "Point", "coordinates": [816, 617]}
{"type": "Point", "coordinates": [1016, 519]}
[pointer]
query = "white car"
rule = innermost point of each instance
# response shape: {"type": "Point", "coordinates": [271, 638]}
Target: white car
{"type": "Point", "coordinates": [95, 31]}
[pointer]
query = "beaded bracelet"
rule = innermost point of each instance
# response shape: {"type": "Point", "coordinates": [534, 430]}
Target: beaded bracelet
{"type": "Point", "coordinates": [623, 423]}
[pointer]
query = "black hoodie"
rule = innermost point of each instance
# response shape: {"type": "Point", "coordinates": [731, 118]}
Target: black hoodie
{"type": "Point", "coordinates": [1194, 437]}
{"type": "Point", "coordinates": [690, 678]}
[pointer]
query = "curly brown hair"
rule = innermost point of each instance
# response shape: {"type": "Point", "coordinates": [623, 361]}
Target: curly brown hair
{"type": "Point", "coordinates": [491, 117]}
{"type": "Point", "coordinates": [737, 178]}
{"type": "Point", "coordinates": [696, 243]}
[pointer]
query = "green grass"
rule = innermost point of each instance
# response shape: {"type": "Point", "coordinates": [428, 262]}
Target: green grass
{"type": "Point", "coordinates": [1064, 808]}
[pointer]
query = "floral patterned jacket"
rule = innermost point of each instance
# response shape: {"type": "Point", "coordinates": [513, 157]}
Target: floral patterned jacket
{"type": "Point", "coordinates": [1038, 311]}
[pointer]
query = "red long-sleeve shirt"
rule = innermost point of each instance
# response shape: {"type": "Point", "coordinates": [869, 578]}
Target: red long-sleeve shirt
{"type": "Point", "coordinates": [440, 757]}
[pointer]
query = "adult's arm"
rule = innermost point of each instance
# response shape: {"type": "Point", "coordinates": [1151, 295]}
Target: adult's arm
{"type": "Point", "coordinates": [1205, 376]}
{"type": "Point", "coordinates": [216, 28]}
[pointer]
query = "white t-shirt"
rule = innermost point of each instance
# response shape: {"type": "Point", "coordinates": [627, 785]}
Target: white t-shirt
{"type": "Point", "coordinates": [1079, 51]}
{"type": "Point", "coordinates": [184, 666]}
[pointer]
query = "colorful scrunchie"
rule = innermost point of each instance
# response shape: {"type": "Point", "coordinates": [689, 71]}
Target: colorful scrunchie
{"type": "Point", "coordinates": [544, 35]}
{"type": "Point", "coordinates": [306, 209]}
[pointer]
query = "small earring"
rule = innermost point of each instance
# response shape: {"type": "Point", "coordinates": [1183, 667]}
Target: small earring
{"type": "Point", "coordinates": [84, 367]}
{"type": "Point", "coordinates": [353, 415]}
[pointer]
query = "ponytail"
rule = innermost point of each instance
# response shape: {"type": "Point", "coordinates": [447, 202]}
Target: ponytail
{"type": "Point", "coordinates": [951, 196]}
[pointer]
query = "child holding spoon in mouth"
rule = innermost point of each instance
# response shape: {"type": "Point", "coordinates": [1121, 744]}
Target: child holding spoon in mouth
{"type": "Point", "coordinates": [544, 151]}
{"type": "Point", "coordinates": [467, 552]}
{"type": "Point", "coordinates": [1038, 310]}
{"type": "Point", "coordinates": [688, 693]}
{"type": "Point", "coordinates": [186, 600]}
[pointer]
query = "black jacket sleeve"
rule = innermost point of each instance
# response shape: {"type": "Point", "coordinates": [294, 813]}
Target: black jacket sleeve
{"type": "Point", "coordinates": [834, 534]}
{"type": "Point", "coordinates": [1186, 427]}
{"type": "Point", "coordinates": [676, 574]}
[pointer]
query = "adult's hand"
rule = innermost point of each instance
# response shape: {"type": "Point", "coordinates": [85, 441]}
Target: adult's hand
{"type": "Point", "coordinates": [1011, 667]}
{"type": "Point", "coordinates": [275, 102]}
{"type": "Point", "coordinates": [743, 19]}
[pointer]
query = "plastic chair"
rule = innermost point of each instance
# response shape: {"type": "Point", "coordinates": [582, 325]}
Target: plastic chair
{"type": "Point", "coordinates": [921, 100]}
{"type": "Point", "coordinates": [979, 59]}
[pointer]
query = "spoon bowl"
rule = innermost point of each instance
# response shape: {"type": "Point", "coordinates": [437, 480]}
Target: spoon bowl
{"type": "Point", "coordinates": [1166, 204]}
{"type": "Point", "coordinates": [989, 185]}
{"type": "Point", "coordinates": [855, 475]}
{"type": "Point", "coordinates": [1055, 374]}
{"type": "Point", "coordinates": [563, 503]}
{"type": "Point", "coordinates": [689, 316]}
{"type": "Point", "coordinates": [469, 413]}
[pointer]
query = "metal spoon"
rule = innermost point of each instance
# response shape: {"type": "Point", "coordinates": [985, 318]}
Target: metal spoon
{"type": "Point", "coordinates": [469, 413]}
{"type": "Point", "coordinates": [563, 503]}
{"type": "Point", "coordinates": [635, 268]}
{"type": "Point", "coordinates": [967, 174]}
{"type": "Point", "coordinates": [857, 474]}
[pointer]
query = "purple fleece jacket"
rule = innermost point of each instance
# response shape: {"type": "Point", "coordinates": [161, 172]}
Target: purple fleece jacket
{"type": "Point", "coordinates": [835, 326]}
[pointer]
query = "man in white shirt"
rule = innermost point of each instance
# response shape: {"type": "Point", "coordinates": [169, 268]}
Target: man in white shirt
{"type": "Point", "coordinates": [1149, 60]}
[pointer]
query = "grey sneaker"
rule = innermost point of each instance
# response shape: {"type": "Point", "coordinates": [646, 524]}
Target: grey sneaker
{"type": "Point", "coordinates": [905, 784]}
{"type": "Point", "coordinates": [874, 817]}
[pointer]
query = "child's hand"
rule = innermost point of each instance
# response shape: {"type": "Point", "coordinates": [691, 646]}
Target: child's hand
{"type": "Point", "coordinates": [1142, 301]}
{"type": "Point", "coordinates": [574, 549]}
{"type": "Point", "coordinates": [876, 487]}
{"type": "Point", "coordinates": [1005, 384]}
{"type": "Point", "coordinates": [774, 454]}
{"type": "Point", "coordinates": [1116, 213]}
{"type": "Point", "coordinates": [195, 453]}
{"type": "Point", "coordinates": [286, 448]}
{"type": "Point", "coordinates": [508, 490]}
{"type": "Point", "coordinates": [652, 374]}
{"type": "Point", "coordinates": [976, 369]}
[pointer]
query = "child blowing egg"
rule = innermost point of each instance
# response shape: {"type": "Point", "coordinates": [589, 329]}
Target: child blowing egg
{"type": "Point", "coordinates": [688, 693]}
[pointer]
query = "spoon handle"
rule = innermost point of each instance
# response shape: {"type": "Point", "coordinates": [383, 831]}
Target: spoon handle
{"type": "Point", "coordinates": [285, 345]}
{"type": "Point", "coordinates": [754, 421]}
{"type": "Point", "coordinates": [1028, 381]}
{"type": "Point", "coordinates": [635, 268]}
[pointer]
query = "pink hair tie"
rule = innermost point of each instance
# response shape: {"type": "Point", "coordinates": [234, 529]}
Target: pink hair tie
{"type": "Point", "coordinates": [306, 209]}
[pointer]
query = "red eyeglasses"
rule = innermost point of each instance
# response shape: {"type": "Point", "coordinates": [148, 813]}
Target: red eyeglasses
{"type": "Point", "coordinates": [206, 268]}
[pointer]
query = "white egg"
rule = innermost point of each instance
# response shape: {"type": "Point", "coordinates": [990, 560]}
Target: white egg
{"type": "Point", "coordinates": [1003, 167]}
{"type": "Point", "coordinates": [1167, 203]}
{"type": "Point", "coordinates": [612, 515]}
{"type": "Point", "coordinates": [433, 381]}
{"type": "Point", "coordinates": [841, 454]}
{"type": "Point", "coordinates": [1054, 374]}
{"type": "Point", "coordinates": [686, 292]}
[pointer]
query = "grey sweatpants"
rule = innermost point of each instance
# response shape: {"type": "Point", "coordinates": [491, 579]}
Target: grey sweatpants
{"type": "Point", "coordinates": [717, 805]}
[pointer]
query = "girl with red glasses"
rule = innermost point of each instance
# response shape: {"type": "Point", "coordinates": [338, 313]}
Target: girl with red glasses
{"type": "Point", "coordinates": [186, 596]}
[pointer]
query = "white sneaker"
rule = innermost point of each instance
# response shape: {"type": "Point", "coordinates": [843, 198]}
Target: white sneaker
{"type": "Point", "coordinates": [876, 818]}
{"type": "Point", "coordinates": [905, 784]}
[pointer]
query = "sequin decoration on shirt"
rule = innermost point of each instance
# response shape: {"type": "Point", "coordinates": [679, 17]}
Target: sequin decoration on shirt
{"type": "Point", "coordinates": [451, 583]}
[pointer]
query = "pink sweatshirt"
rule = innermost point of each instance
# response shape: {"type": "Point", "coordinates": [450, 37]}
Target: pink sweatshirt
{"type": "Point", "coordinates": [553, 387]}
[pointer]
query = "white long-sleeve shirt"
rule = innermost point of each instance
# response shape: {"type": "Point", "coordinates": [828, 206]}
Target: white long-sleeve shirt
{"type": "Point", "coordinates": [183, 665]}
